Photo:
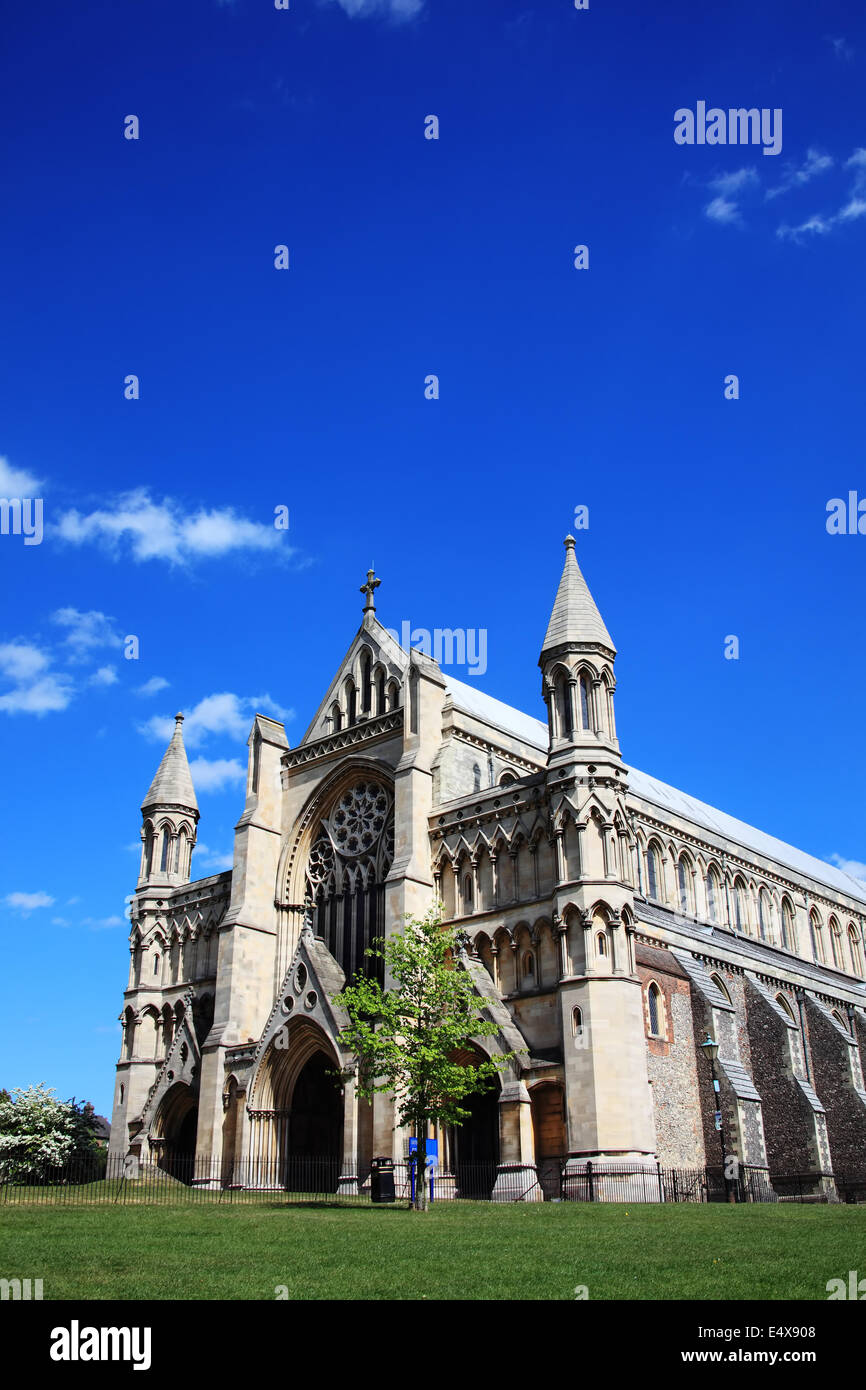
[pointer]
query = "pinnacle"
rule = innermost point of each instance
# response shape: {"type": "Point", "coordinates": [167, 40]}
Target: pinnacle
{"type": "Point", "coordinates": [575, 620]}
{"type": "Point", "coordinates": [172, 785]}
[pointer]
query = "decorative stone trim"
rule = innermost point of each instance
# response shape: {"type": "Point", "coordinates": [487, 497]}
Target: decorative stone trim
{"type": "Point", "coordinates": [363, 732]}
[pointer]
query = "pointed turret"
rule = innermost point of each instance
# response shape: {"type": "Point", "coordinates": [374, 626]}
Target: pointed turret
{"type": "Point", "coordinates": [575, 620]}
{"type": "Point", "coordinates": [172, 785]}
{"type": "Point", "coordinates": [170, 813]}
{"type": "Point", "coordinates": [577, 666]}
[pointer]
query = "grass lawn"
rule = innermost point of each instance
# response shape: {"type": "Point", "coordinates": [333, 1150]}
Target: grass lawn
{"type": "Point", "coordinates": [460, 1250]}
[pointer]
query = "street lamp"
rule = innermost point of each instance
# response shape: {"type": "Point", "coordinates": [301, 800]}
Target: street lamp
{"type": "Point", "coordinates": [711, 1048]}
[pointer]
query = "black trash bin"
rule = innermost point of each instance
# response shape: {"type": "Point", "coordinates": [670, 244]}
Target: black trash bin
{"type": "Point", "coordinates": [382, 1180]}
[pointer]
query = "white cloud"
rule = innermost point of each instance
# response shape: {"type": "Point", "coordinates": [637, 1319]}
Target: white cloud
{"type": "Point", "coordinates": [841, 47]}
{"type": "Point", "coordinates": [819, 224]}
{"type": "Point", "coordinates": [722, 210]}
{"type": "Point", "coordinates": [35, 689]}
{"type": "Point", "coordinates": [213, 775]}
{"type": "Point", "coordinates": [60, 921]}
{"type": "Point", "coordinates": [101, 923]}
{"type": "Point", "coordinates": [857, 162]}
{"type": "Point", "coordinates": [168, 531]}
{"type": "Point", "coordinates": [851, 211]}
{"type": "Point", "coordinates": [15, 482]}
{"type": "Point", "coordinates": [207, 858]}
{"type": "Point", "coordinates": [153, 686]}
{"type": "Point", "coordinates": [45, 695]}
{"type": "Point", "coordinates": [86, 631]}
{"type": "Point", "coordinates": [734, 181]}
{"type": "Point", "coordinates": [28, 902]}
{"type": "Point", "coordinates": [854, 867]}
{"type": "Point", "coordinates": [224, 713]}
{"type": "Point", "coordinates": [21, 661]}
{"type": "Point", "coordinates": [815, 164]}
{"type": "Point", "coordinates": [388, 9]}
{"type": "Point", "coordinates": [106, 675]}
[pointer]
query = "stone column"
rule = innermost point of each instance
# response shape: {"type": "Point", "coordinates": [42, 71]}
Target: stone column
{"type": "Point", "coordinates": [349, 1169]}
{"type": "Point", "coordinates": [517, 1175]}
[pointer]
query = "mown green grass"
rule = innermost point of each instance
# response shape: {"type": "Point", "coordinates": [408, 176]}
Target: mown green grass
{"type": "Point", "coordinates": [456, 1251]}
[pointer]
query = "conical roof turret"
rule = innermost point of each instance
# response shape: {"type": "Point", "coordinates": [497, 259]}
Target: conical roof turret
{"type": "Point", "coordinates": [575, 620]}
{"type": "Point", "coordinates": [172, 785]}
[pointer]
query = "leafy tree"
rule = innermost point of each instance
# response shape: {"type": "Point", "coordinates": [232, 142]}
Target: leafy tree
{"type": "Point", "coordinates": [405, 1037]}
{"type": "Point", "coordinates": [39, 1134]}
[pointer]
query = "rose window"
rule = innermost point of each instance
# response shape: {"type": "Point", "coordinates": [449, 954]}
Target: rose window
{"type": "Point", "coordinates": [359, 818]}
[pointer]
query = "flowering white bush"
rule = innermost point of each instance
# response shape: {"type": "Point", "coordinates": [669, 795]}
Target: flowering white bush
{"type": "Point", "coordinates": [39, 1132]}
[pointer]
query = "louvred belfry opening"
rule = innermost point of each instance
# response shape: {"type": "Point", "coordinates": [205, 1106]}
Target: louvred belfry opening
{"type": "Point", "coordinates": [349, 861]}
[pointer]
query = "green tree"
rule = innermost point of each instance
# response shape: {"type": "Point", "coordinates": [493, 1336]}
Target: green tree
{"type": "Point", "coordinates": [39, 1134]}
{"type": "Point", "coordinates": [405, 1037]}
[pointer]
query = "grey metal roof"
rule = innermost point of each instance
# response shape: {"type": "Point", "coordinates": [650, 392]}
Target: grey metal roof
{"type": "Point", "coordinates": [172, 785]}
{"type": "Point", "coordinates": [575, 618]}
{"type": "Point", "coordinates": [668, 799]}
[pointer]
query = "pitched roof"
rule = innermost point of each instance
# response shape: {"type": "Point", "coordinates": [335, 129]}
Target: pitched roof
{"type": "Point", "coordinates": [534, 732]}
{"type": "Point", "coordinates": [575, 618]}
{"type": "Point", "coordinates": [172, 785]}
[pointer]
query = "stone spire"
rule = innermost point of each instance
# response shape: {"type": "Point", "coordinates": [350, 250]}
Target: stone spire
{"type": "Point", "coordinates": [575, 620]}
{"type": "Point", "coordinates": [172, 785]}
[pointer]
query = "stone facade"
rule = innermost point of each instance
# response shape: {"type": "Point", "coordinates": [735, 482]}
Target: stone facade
{"type": "Point", "coordinates": [612, 924]}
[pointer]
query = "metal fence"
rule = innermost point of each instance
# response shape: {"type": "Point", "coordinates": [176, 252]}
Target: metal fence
{"type": "Point", "coordinates": [184, 1179]}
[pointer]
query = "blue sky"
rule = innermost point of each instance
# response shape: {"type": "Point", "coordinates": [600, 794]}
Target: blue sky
{"type": "Point", "coordinates": [305, 388]}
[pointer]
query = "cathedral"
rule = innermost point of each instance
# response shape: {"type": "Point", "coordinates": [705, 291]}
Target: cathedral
{"type": "Point", "coordinates": [672, 985]}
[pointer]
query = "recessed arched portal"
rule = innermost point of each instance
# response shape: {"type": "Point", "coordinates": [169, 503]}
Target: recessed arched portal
{"type": "Point", "coordinates": [296, 1111]}
{"type": "Point", "coordinates": [174, 1132]}
{"type": "Point", "coordinates": [474, 1145]}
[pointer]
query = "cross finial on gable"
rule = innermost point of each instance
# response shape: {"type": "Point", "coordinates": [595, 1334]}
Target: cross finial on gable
{"type": "Point", "coordinates": [369, 589]}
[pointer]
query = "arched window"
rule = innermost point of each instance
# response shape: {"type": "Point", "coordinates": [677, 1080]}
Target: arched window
{"type": "Point", "coordinates": [713, 894]}
{"type": "Point", "coordinates": [351, 703]}
{"type": "Point", "coordinates": [380, 693]}
{"type": "Point", "coordinates": [816, 933]}
{"type": "Point", "coordinates": [788, 939]}
{"type": "Point", "coordinates": [529, 968]}
{"type": "Point", "coordinates": [122, 1092]}
{"type": "Point", "coordinates": [585, 702]}
{"type": "Point", "coordinates": [721, 987]}
{"type": "Point", "coordinates": [148, 849]}
{"type": "Point", "coordinates": [165, 861]}
{"type": "Point", "coordinates": [836, 943]}
{"type": "Point", "coordinates": [577, 1023]}
{"type": "Point", "coordinates": [854, 948]}
{"type": "Point", "coordinates": [653, 872]}
{"type": "Point", "coordinates": [684, 883]}
{"type": "Point", "coordinates": [467, 891]}
{"type": "Point", "coordinates": [785, 1006]}
{"type": "Point", "coordinates": [563, 706]}
{"type": "Point", "coordinates": [741, 916]}
{"type": "Point", "coordinates": [366, 685]}
{"type": "Point", "coordinates": [476, 778]}
{"type": "Point", "coordinates": [764, 915]}
{"type": "Point", "coordinates": [655, 1010]}
{"type": "Point", "coordinates": [393, 695]}
{"type": "Point", "coordinates": [506, 779]}
{"type": "Point", "coordinates": [601, 943]}
{"type": "Point", "coordinates": [336, 718]}
{"type": "Point", "coordinates": [156, 962]}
